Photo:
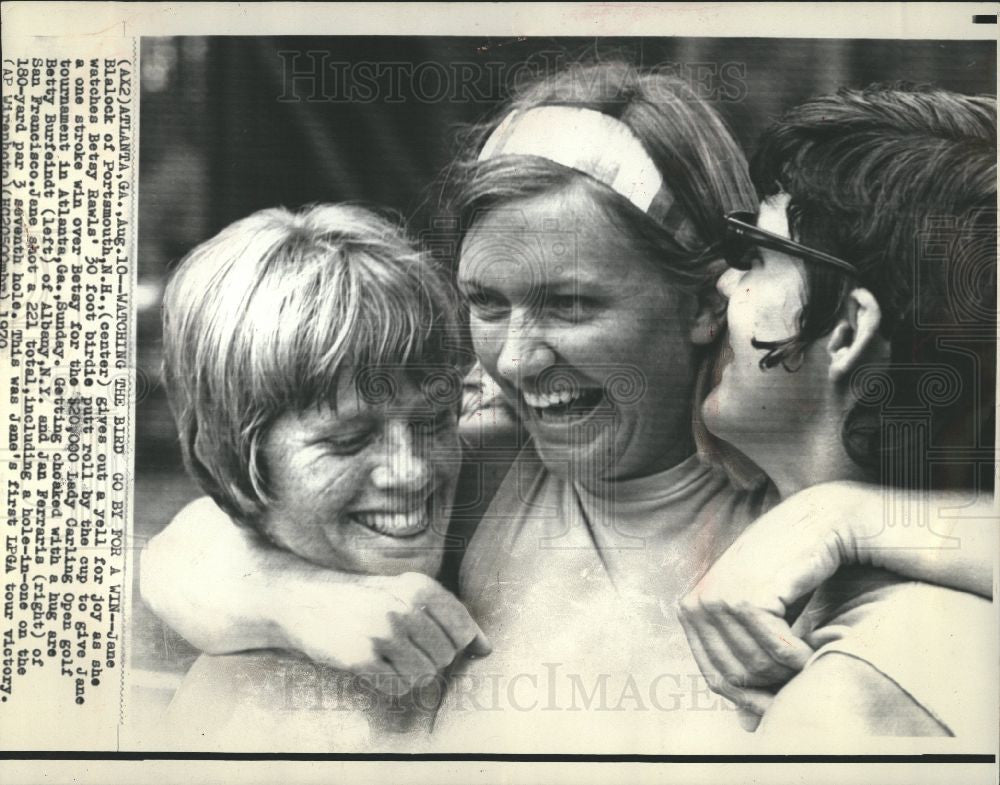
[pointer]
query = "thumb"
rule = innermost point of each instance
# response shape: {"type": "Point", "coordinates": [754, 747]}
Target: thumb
{"type": "Point", "coordinates": [480, 645]}
{"type": "Point", "coordinates": [753, 702]}
{"type": "Point", "coordinates": [749, 720]}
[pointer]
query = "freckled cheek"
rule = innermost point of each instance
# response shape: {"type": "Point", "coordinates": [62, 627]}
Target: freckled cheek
{"type": "Point", "coordinates": [336, 488]}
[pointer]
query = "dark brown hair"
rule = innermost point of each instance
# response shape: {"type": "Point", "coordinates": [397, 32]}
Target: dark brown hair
{"type": "Point", "coordinates": [900, 180]}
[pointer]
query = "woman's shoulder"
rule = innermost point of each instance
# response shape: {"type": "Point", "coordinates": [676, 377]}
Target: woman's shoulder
{"type": "Point", "coordinates": [926, 641]}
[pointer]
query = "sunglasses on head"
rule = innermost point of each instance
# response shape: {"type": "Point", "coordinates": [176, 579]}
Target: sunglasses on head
{"type": "Point", "coordinates": [743, 234]}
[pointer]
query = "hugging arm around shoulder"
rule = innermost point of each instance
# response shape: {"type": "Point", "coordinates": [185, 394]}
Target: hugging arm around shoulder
{"type": "Point", "coordinates": [209, 580]}
{"type": "Point", "coordinates": [788, 552]}
{"type": "Point", "coordinates": [226, 590]}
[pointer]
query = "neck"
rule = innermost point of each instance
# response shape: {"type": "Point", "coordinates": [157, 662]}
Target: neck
{"type": "Point", "coordinates": [816, 455]}
{"type": "Point", "coordinates": [678, 451]}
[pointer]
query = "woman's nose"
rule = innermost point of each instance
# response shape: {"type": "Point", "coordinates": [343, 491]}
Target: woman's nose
{"type": "Point", "coordinates": [402, 464]}
{"type": "Point", "coordinates": [525, 351]}
{"type": "Point", "coordinates": [727, 282]}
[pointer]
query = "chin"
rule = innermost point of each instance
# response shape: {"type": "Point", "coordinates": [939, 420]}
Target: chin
{"type": "Point", "coordinates": [390, 563]}
{"type": "Point", "coordinates": [387, 557]}
{"type": "Point", "coordinates": [598, 459]}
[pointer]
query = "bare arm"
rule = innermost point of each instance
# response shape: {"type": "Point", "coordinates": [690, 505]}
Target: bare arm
{"type": "Point", "coordinates": [226, 590]}
{"type": "Point", "coordinates": [219, 604]}
{"type": "Point", "coordinates": [944, 538]}
{"type": "Point", "coordinates": [735, 618]}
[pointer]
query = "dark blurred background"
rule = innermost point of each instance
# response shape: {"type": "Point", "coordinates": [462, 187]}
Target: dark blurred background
{"type": "Point", "coordinates": [233, 125]}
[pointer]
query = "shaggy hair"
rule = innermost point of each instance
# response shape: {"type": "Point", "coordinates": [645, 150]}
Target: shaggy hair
{"type": "Point", "coordinates": [266, 317]}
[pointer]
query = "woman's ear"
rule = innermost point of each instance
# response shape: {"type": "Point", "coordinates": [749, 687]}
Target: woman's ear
{"type": "Point", "coordinates": [856, 334]}
{"type": "Point", "coordinates": [708, 322]}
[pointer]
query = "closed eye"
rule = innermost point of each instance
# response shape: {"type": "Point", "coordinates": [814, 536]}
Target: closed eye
{"type": "Point", "coordinates": [485, 304]}
{"type": "Point", "coordinates": [572, 307]}
{"type": "Point", "coordinates": [562, 302]}
{"type": "Point", "coordinates": [349, 443]}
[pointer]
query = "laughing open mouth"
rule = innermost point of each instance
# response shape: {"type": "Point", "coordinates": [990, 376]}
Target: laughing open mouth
{"type": "Point", "coordinates": [565, 405]}
{"type": "Point", "coordinates": [396, 524]}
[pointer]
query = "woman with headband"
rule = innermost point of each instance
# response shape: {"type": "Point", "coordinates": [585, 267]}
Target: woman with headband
{"type": "Point", "coordinates": [589, 206]}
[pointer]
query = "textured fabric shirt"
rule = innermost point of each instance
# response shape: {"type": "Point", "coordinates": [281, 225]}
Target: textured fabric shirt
{"type": "Point", "coordinates": [576, 590]}
{"type": "Point", "coordinates": [935, 644]}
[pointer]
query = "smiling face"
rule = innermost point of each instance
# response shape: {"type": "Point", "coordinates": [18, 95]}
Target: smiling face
{"type": "Point", "coordinates": [763, 411]}
{"type": "Point", "coordinates": [366, 488]}
{"type": "Point", "coordinates": [584, 334]}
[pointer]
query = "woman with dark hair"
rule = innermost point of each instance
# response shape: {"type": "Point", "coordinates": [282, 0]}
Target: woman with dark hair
{"type": "Point", "coordinates": [857, 351]}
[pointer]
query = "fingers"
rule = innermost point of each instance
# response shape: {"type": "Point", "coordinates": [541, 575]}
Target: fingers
{"type": "Point", "coordinates": [751, 702]}
{"type": "Point", "coordinates": [429, 627]}
{"type": "Point", "coordinates": [757, 661]}
{"type": "Point", "coordinates": [480, 646]}
{"type": "Point", "coordinates": [775, 637]}
{"type": "Point", "coordinates": [722, 664]}
{"type": "Point", "coordinates": [423, 594]}
{"type": "Point", "coordinates": [756, 703]}
{"type": "Point", "coordinates": [407, 630]}
{"type": "Point", "coordinates": [412, 667]}
{"type": "Point", "coordinates": [715, 678]}
{"type": "Point", "coordinates": [748, 720]}
{"type": "Point", "coordinates": [428, 636]}
{"type": "Point", "coordinates": [733, 660]}
{"type": "Point", "coordinates": [744, 641]}
{"type": "Point", "coordinates": [455, 621]}
{"type": "Point", "coordinates": [386, 677]}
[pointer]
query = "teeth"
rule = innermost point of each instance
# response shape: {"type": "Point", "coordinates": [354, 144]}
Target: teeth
{"type": "Point", "coordinates": [394, 524]}
{"type": "Point", "coordinates": [539, 401]}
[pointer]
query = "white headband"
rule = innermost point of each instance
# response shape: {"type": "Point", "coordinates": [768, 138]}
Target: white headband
{"type": "Point", "coordinates": [599, 146]}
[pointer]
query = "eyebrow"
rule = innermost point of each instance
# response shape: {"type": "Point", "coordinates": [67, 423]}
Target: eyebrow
{"type": "Point", "coordinates": [549, 286]}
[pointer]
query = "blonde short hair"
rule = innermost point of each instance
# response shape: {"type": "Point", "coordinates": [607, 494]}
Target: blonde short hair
{"type": "Point", "coordinates": [265, 317]}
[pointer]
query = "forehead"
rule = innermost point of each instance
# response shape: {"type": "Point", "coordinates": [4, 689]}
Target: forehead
{"type": "Point", "coordinates": [387, 392]}
{"type": "Point", "coordinates": [547, 239]}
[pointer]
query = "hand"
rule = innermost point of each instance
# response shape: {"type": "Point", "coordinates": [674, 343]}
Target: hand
{"type": "Point", "coordinates": [397, 631]}
{"type": "Point", "coordinates": [226, 590]}
{"type": "Point", "coordinates": [735, 618]}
